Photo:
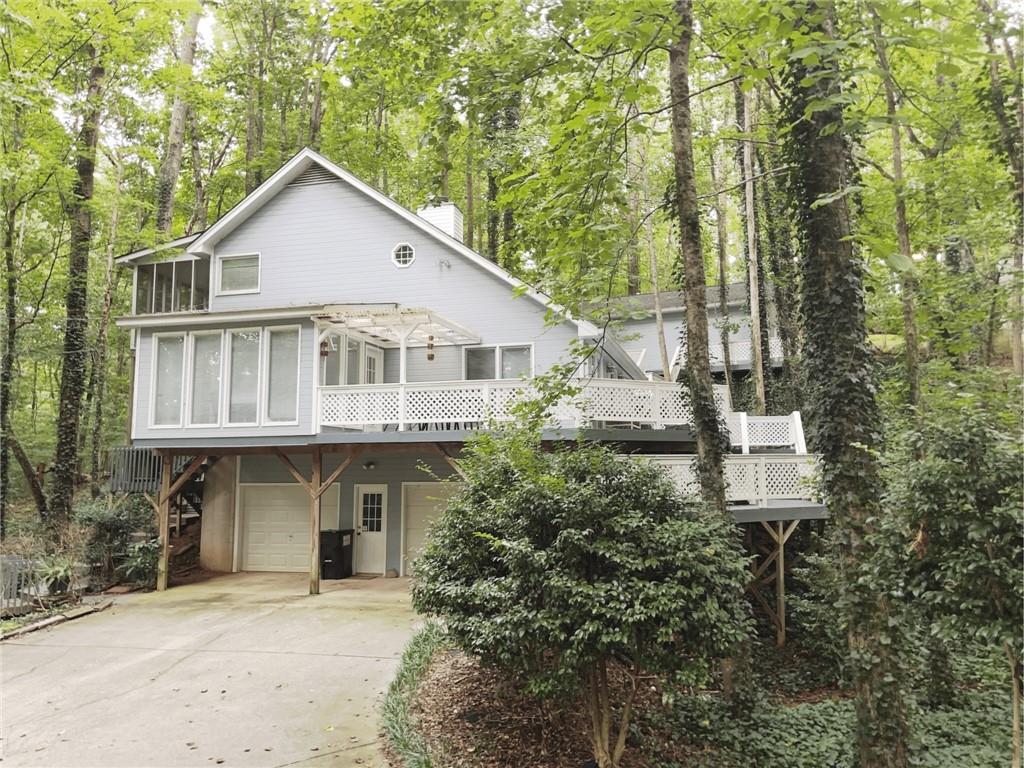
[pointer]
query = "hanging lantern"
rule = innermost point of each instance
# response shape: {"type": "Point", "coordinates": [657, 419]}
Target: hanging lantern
{"type": "Point", "coordinates": [430, 347]}
{"type": "Point", "coordinates": [325, 348]}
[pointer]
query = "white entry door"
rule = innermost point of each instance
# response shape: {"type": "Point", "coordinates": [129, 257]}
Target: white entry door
{"type": "Point", "coordinates": [371, 524]}
{"type": "Point", "coordinates": [421, 504]}
{"type": "Point", "coordinates": [275, 526]}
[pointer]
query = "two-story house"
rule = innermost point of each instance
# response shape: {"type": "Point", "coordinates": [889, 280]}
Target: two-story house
{"type": "Point", "coordinates": [319, 357]}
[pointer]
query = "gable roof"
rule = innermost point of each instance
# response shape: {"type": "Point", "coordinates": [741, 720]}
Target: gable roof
{"type": "Point", "coordinates": [301, 162]}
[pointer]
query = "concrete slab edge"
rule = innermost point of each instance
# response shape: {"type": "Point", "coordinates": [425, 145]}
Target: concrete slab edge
{"type": "Point", "coordinates": [52, 621]}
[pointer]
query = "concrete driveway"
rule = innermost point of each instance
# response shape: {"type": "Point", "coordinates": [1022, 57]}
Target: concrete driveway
{"type": "Point", "coordinates": [240, 670]}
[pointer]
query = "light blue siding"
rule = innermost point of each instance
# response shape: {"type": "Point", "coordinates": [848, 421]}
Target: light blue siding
{"type": "Point", "coordinates": [329, 244]}
{"type": "Point", "coordinates": [391, 469]}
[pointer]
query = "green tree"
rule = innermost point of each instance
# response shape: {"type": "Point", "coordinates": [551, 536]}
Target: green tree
{"type": "Point", "coordinates": [555, 566]}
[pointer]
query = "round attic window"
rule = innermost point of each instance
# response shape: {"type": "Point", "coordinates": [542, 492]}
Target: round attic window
{"type": "Point", "coordinates": [403, 255]}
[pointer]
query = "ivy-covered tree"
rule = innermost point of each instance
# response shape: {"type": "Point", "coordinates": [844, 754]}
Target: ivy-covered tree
{"type": "Point", "coordinates": [556, 566]}
{"type": "Point", "coordinates": [843, 413]}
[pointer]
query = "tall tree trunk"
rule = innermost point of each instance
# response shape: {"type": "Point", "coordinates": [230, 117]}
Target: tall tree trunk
{"type": "Point", "coordinates": [753, 258]}
{"type": "Point", "coordinates": [652, 266]}
{"type": "Point", "coordinates": [1010, 141]}
{"type": "Point", "coordinates": [76, 353]}
{"type": "Point", "coordinates": [908, 285]}
{"type": "Point", "coordinates": [99, 363]}
{"type": "Point", "coordinates": [197, 220]}
{"type": "Point", "coordinates": [632, 169]}
{"type": "Point", "coordinates": [167, 179]}
{"type": "Point", "coordinates": [492, 216]}
{"type": "Point", "coordinates": [711, 443]}
{"type": "Point", "coordinates": [843, 413]}
{"type": "Point", "coordinates": [469, 174]}
{"type": "Point", "coordinates": [722, 233]}
{"type": "Point", "coordinates": [7, 363]}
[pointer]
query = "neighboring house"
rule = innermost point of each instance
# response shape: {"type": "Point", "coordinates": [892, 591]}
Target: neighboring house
{"type": "Point", "coordinates": [637, 330]}
{"type": "Point", "coordinates": [318, 357]}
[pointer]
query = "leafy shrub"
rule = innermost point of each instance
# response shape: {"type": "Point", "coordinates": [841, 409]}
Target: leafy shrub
{"type": "Point", "coordinates": [550, 565]}
{"type": "Point", "coordinates": [113, 523]}
{"type": "Point", "coordinates": [141, 562]}
{"type": "Point", "coordinates": [57, 572]}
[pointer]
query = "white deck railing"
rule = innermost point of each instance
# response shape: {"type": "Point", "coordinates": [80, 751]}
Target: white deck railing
{"type": "Point", "coordinates": [767, 432]}
{"type": "Point", "coordinates": [752, 479]}
{"type": "Point", "coordinates": [469, 404]}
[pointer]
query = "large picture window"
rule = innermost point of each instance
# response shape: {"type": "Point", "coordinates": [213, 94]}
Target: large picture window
{"type": "Point", "coordinates": [239, 274]}
{"type": "Point", "coordinates": [244, 376]}
{"type": "Point", "coordinates": [168, 369]}
{"type": "Point", "coordinates": [282, 378]}
{"type": "Point", "coordinates": [205, 394]}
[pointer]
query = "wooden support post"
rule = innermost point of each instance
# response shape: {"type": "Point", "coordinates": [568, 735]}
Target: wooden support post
{"type": "Point", "coordinates": [164, 522]}
{"type": "Point", "coordinates": [314, 524]}
{"type": "Point", "coordinates": [780, 586]}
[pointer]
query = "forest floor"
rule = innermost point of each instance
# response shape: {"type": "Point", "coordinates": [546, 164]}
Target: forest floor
{"type": "Point", "coordinates": [472, 717]}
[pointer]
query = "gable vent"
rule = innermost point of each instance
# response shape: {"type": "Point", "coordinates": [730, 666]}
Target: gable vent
{"type": "Point", "coordinates": [315, 174]}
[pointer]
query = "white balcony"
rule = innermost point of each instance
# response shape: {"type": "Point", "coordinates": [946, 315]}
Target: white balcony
{"type": "Point", "coordinates": [471, 404]}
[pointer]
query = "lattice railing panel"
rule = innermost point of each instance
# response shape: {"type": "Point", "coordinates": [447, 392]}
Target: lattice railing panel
{"type": "Point", "coordinates": [788, 479]}
{"type": "Point", "coordinates": [770, 431]}
{"type": "Point", "coordinates": [358, 405]}
{"type": "Point", "coordinates": [753, 479]}
{"type": "Point", "coordinates": [742, 480]}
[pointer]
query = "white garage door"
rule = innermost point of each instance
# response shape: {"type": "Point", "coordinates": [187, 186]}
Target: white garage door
{"type": "Point", "coordinates": [421, 504]}
{"type": "Point", "coordinates": [275, 526]}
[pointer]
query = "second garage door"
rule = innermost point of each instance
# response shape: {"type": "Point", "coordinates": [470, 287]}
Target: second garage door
{"type": "Point", "coordinates": [421, 504]}
{"type": "Point", "coordinates": [275, 526]}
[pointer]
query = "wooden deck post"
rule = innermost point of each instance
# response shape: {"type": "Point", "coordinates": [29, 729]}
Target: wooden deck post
{"type": "Point", "coordinates": [164, 521]}
{"type": "Point", "coordinates": [780, 585]}
{"type": "Point", "coordinates": [314, 524]}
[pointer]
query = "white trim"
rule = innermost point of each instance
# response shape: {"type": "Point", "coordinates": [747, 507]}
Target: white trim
{"type": "Point", "coordinates": [497, 360]}
{"type": "Point", "coordinates": [178, 241]}
{"type": "Point", "coordinates": [233, 256]}
{"type": "Point", "coordinates": [265, 419]}
{"type": "Point", "coordinates": [236, 543]}
{"type": "Point", "coordinates": [189, 382]}
{"type": "Point", "coordinates": [383, 487]}
{"type": "Point", "coordinates": [294, 167]}
{"type": "Point", "coordinates": [394, 252]}
{"type": "Point", "coordinates": [203, 317]}
{"type": "Point", "coordinates": [226, 379]}
{"type": "Point", "coordinates": [135, 384]}
{"type": "Point", "coordinates": [154, 340]}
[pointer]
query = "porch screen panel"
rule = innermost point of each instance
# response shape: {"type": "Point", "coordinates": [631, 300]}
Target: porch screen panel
{"type": "Point", "coordinates": [283, 384]}
{"type": "Point", "coordinates": [243, 387]}
{"type": "Point", "coordinates": [352, 363]}
{"type": "Point", "coordinates": [170, 356]}
{"type": "Point", "coordinates": [205, 378]}
{"type": "Point", "coordinates": [144, 289]}
{"type": "Point", "coordinates": [201, 284]}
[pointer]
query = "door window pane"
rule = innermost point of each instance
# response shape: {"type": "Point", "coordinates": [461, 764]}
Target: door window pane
{"type": "Point", "coordinates": [240, 274]}
{"type": "Point", "coordinates": [480, 363]}
{"type": "Point", "coordinates": [283, 386]}
{"type": "Point", "coordinates": [244, 376]}
{"type": "Point", "coordinates": [167, 387]}
{"type": "Point", "coordinates": [205, 378]}
{"type": "Point", "coordinates": [164, 287]}
{"type": "Point", "coordinates": [372, 512]}
{"type": "Point", "coordinates": [201, 284]}
{"type": "Point", "coordinates": [515, 362]}
{"type": "Point", "coordinates": [352, 363]}
{"type": "Point", "coordinates": [182, 286]}
{"type": "Point", "coordinates": [144, 290]}
{"type": "Point", "coordinates": [373, 358]}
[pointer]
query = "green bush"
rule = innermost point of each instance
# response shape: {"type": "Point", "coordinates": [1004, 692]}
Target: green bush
{"type": "Point", "coordinates": [553, 565]}
{"type": "Point", "coordinates": [141, 562]}
{"type": "Point", "coordinates": [112, 524]}
{"type": "Point", "coordinates": [396, 718]}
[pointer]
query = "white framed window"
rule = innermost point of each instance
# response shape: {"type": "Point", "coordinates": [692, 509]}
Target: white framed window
{"type": "Point", "coordinates": [243, 376]}
{"type": "Point", "coordinates": [403, 255]}
{"type": "Point", "coordinates": [168, 379]}
{"type": "Point", "coordinates": [238, 274]}
{"type": "Point", "coordinates": [178, 285]}
{"type": "Point", "coordinates": [502, 361]}
{"type": "Point", "coordinates": [204, 379]}
{"type": "Point", "coordinates": [282, 391]}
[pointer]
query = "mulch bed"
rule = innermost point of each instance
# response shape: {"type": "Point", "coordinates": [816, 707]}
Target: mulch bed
{"type": "Point", "coordinates": [472, 717]}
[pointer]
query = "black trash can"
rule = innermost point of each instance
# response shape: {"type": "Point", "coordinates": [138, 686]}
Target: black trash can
{"type": "Point", "coordinates": [336, 553]}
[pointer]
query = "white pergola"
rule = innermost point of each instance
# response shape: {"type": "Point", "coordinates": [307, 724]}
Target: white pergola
{"type": "Point", "coordinates": [394, 327]}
